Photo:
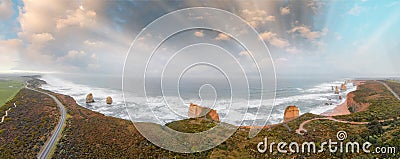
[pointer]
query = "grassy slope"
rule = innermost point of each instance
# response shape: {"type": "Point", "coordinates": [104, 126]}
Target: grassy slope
{"type": "Point", "coordinates": [7, 92]}
{"type": "Point", "coordinates": [90, 134]}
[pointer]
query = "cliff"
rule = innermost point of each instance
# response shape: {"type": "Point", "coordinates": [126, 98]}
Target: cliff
{"type": "Point", "coordinates": [291, 112]}
{"type": "Point", "coordinates": [196, 111]}
{"type": "Point", "coordinates": [354, 106]}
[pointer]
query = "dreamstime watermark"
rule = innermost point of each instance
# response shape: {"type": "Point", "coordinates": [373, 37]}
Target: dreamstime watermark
{"type": "Point", "coordinates": [332, 146]}
{"type": "Point", "coordinates": [148, 57]}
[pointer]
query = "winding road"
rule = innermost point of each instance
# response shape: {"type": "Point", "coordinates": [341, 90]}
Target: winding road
{"type": "Point", "coordinates": [45, 152]}
{"type": "Point", "coordinates": [301, 129]}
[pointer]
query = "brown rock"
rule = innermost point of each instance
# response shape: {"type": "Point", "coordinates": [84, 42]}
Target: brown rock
{"type": "Point", "coordinates": [291, 112]}
{"type": "Point", "coordinates": [89, 98]}
{"type": "Point", "coordinates": [336, 90]}
{"type": "Point", "coordinates": [196, 111]}
{"type": "Point", "coordinates": [340, 97]}
{"type": "Point", "coordinates": [109, 100]}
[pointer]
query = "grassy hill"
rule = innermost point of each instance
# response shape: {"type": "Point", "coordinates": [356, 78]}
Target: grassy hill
{"type": "Point", "coordinates": [8, 89]}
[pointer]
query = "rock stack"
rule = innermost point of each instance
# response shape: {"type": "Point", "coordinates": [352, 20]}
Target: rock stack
{"type": "Point", "coordinates": [89, 98]}
{"type": "Point", "coordinates": [291, 112]}
{"type": "Point", "coordinates": [109, 100]}
{"type": "Point", "coordinates": [336, 90]}
{"type": "Point", "coordinates": [196, 111]}
{"type": "Point", "coordinates": [343, 87]}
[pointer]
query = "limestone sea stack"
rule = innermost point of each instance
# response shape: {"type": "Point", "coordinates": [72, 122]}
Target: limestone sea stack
{"type": "Point", "coordinates": [343, 87]}
{"type": "Point", "coordinates": [109, 100]}
{"type": "Point", "coordinates": [336, 90]}
{"type": "Point", "coordinates": [89, 98]}
{"type": "Point", "coordinates": [291, 112]}
{"type": "Point", "coordinates": [196, 111]}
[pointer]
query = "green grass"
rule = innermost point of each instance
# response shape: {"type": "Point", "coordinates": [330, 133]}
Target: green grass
{"type": "Point", "coordinates": [8, 89]}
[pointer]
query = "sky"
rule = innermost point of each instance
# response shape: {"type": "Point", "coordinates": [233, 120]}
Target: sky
{"type": "Point", "coordinates": [356, 38]}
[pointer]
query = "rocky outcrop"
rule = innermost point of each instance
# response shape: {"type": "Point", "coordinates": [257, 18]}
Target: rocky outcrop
{"type": "Point", "coordinates": [109, 100]}
{"type": "Point", "coordinates": [196, 111]}
{"type": "Point", "coordinates": [291, 112]}
{"type": "Point", "coordinates": [343, 87]}
{"type": "Point", "coordinates": [353, 106]}
{"type": "Point", "coordinates": [89, 98]}
{"type": "Point", "coordinates": [336, 90]}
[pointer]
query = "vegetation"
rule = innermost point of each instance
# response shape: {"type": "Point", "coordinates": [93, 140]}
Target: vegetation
{"type": "Point", "coordinates": [89, 134]}
{"type": "Point", "coordinates": [394, 85]}
{"type": "Point", "coordinates": [382, 104]}
{"type": "Point", "coordinates": [8, 89]}
{"type": "Point", "coordinates": [28, 125]}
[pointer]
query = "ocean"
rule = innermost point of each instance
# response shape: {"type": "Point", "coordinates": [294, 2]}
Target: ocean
{"type": "Point", "coordinates": [311, 95]}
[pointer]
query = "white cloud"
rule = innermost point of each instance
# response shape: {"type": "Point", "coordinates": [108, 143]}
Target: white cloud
{"type": "Point", "coordinates": [6, 9]}
{"type": "Point", "coordinates": [306, 32]}
{"type": "Point", "coordinates": [199, 34]}
{"type": "Point", "coordinates": [42, 37]}
{"type": "Point", "coordinates": [92, 43]}
{"type": "Point", "coordinates": [222, 36]}
{"type": "Point", "coordinates": [356, 10]}
{"type": "Point", "coordinates": [274, 40]}
{"type": "Point", "coordinates": [285, 10]}
{"type": "Point", "coordinates": [315, 5]}
{"type": "Point", "coordinates": [9, 53]}
{"type": "Point", "coordinates": [257, 17]}
{"type": "Point", "coordinates": [78, 17]}
{"type": "Point", "coordinates": [293, 50]}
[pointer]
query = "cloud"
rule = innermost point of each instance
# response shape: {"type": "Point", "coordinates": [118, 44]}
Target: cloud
{"type": "Point", "coordinates": [306, 32]}
{"type": "Point", "coordinates": [274, 40]}
{"type": "Point", "coordinates": [293, 50]}
{"type": "Point", "coordinates": [199, 34]}
{"type": "Point", "coordinates": [92, 43]}
{"type": "Point", "coordinates": [78, 17]}
{"type": "Point", "coordinates": [281, 60]}
{"type": "Point", "coordinates": [257, 17]}
{"type": "Point", "coordinates": [77, 59]}
{"type": "Point", "coordinates": [285, 10]}
{"type": "Point", "coordinates": [356, 10]}
{"type": "Point", "coordinates": [315, 5]}
{"type": "Point", "coordinates": [221, 36]}
{"type": "Point", "coordinates": [6, 9]}
{"type": "Point", "coordinates": [9, 53]}
{"type": "Point", "coordinates": [42, 37]}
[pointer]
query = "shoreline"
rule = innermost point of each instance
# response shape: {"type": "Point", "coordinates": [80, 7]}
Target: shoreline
{"type": "Point", "coordinates": [342, 108]}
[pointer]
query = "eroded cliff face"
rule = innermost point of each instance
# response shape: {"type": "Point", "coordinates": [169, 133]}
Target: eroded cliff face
{"type": "Point", "coordinates": [196, 111]}
{"type": "Point", "coordinates": [353, 106]}
{"type": "Point", "coordinates": [291, 112]}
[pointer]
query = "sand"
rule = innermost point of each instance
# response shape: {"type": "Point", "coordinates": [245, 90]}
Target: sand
{"type": "Point", "coordinates": [338, 110]}
{"type": "Point", "coordinates": [342, 108]}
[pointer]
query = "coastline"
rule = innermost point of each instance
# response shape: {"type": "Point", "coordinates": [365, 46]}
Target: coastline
{"type": "Point", "coordinates": [342, 108]}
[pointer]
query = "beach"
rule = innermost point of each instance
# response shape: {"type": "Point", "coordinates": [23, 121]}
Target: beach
{"type": "Point", "coordinates": [342, 108]}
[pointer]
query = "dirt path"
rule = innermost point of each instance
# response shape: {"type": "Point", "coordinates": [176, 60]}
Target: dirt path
{"type": "Point", "coordinates": [2, 118]}
{"type": "Point", "coordinates": [301, 127]}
